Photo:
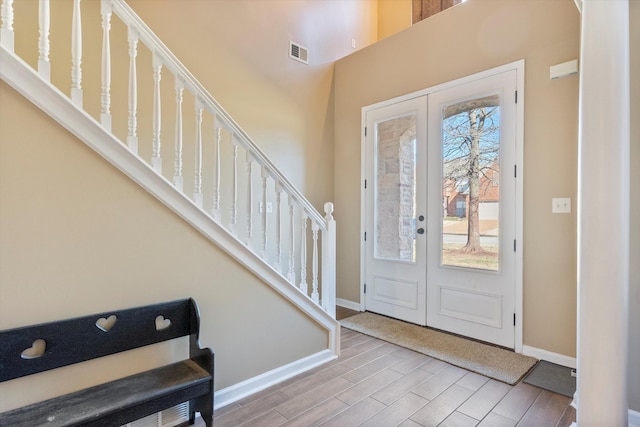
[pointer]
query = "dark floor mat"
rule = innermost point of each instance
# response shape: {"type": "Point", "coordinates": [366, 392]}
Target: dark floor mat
{"type": "Point", "coordinates": [552, 377]}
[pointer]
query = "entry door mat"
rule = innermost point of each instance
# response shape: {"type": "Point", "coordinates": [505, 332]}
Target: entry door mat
{"type": "Point", "coordinates": [490, 361]}
{"type": "Point", "coordinates": [552, 377]}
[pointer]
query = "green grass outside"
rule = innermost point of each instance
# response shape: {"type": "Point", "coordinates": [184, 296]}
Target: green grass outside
{"type": "Point", "coordinates": [452, 256]}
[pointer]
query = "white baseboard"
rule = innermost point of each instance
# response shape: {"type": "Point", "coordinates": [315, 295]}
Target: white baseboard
{"type": "Point", "coordinates": [348, 304]}
{"type": "Point", "coordinates": [549, 356]}
{"type": "Point", "coordinates": [246, 388]}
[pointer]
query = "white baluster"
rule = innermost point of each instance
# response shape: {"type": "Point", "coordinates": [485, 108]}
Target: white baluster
{"type": "Point", "coordinates": [105, 99]}
{"type": "Point", "coordinates": [177, 160]}
{"type": "Point", "coordinates": [278, 262]}
{"type": "Point", "coordinates": [197, 180]}
{"type": "Point", "coordinates": [76, 55]}
{"type": "Point", "coordinates": [249, 199]}
{"type": "Point", "coordinates": [132, 138]}
{"type": "Point", "coordinates": [234, 202]}
{"type": "Point", "coordinates": [291, 274]}
{"type": "Point", "coordinates": [215, 211]}
{"type": "Point", "coordinates": [6, 30]}
{"type": "Point", "coordinates": [156, 159]}
{"type": "Point", "coordinates": [314, 266]}
{"type": "Point", "coordinates": [304, 286]}
{"type": "Point", "coordinates": [44, 66]}
{"type": "Point", "coordinates": [329, 262]}
{"type": "Point", "coordinates": [265, 211]}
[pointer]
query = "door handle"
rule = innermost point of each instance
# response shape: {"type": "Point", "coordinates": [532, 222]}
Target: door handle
{"type": "Point", "coordinates": [420, 230]}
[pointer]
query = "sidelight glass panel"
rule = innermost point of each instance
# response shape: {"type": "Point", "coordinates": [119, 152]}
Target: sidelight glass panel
{"type": "Point", "coordinates": [395, 189]}
{"type": "Point", "coordinates": [471, 183]}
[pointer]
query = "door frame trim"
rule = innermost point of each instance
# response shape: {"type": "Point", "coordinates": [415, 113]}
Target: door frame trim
{"type": "Point", "coordinates": [518, 66]}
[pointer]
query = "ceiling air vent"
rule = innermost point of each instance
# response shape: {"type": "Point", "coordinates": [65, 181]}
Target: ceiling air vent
{"type": "Point", "coordinates": [298, 52]}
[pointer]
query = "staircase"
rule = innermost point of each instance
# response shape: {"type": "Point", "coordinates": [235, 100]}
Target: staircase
{"type": "Point", "coordinates": [233, 194]}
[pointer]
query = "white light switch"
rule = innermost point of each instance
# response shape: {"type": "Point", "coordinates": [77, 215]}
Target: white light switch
{"type": "Point", "coordinates": [561, 205]}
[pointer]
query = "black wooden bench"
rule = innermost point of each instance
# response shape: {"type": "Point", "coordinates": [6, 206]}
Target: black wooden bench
{"type": "Point", "coordinates": [32, 349]}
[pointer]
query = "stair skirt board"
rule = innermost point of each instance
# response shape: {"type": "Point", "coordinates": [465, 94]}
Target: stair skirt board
{"type": "Point", "coordinates": [263, 381]}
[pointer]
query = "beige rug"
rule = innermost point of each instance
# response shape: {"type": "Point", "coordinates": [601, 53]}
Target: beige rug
{"type": "Point", "coordinates": [494, 362]}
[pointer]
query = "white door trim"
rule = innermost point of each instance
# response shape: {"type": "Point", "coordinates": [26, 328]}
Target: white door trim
{"type": "Point", "coordinates": [519, 67]}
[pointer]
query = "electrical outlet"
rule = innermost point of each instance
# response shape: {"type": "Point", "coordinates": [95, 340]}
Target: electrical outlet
{"type": "Point", "coordinates": [561, 205]}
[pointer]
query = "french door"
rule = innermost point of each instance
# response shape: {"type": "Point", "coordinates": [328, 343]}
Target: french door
{"type": "Point", "coordinates": [396, 207]}
{"type": "Point", "coordinates": [441, 208]}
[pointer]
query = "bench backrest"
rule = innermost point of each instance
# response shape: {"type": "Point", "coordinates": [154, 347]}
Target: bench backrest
{"type": "Point", "coordinates": [70, 341]}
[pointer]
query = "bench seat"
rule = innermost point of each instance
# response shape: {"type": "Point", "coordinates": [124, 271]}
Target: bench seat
{"type": "Point", "coordinates": [106, 404]}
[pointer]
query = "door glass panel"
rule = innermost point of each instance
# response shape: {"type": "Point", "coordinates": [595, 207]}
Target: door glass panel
{"type": "Point", "coordinates": [395, 189]}
{"type": "Point", "coordinates": [471, 183]}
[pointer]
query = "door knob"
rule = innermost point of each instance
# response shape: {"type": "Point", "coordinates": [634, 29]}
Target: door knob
{"type": "Point", "coordinates": [420, 230]}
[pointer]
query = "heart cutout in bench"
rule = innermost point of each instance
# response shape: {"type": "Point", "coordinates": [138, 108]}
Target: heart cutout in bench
{"type": "Point", "coordinates": [36, 350]}
{"type": "Point", "coordinates": [105, 325]}
{"type": "Point", "coordinates": [162, 323]}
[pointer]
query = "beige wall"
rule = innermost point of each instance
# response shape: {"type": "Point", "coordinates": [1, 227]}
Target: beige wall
{"type": "Point", "coordinates": [634, 274]}
{"type": "Point", "coordinates": [462, 40]}
{"type": "Point", "coordinates": [79, 237]}
{"type": "Point", "coordinates": [393, 16]}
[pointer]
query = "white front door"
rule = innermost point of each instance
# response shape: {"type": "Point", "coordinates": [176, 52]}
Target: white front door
{"type": "Point", "coordinates": [395, 210]}
{"type": "Point", "coordinates": [471, 244]}
{"type": "Point", "coordinates": [440, 207]}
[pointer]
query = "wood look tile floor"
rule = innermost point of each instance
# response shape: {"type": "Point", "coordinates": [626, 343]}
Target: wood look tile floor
{"type": "Point", "coordinates": [377, 384]}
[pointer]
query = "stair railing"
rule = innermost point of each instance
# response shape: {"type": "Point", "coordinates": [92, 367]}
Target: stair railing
{"type": "Point", "coordinates": [251, 199]}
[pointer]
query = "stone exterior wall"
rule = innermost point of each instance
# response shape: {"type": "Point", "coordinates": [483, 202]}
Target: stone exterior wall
{"type": "Point", "coordinates": [395, 187]}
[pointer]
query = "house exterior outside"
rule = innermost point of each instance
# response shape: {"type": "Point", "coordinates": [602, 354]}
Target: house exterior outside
{"type": "Point", "coordinates": [455, 196]}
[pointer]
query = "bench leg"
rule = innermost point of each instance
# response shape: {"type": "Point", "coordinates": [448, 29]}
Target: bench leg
{"type": "Point", "coordinates": [193, 408]}
{"type": "Point", "coordinates": [207, 417]}
{"type": "Point", "coordinates": [204, 405]}
{"type": "Point", "coordinates": [192, 414]}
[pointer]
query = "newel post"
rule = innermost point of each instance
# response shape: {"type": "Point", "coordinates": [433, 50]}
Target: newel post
{"type": "Point", "coordinates": [329, 262]}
